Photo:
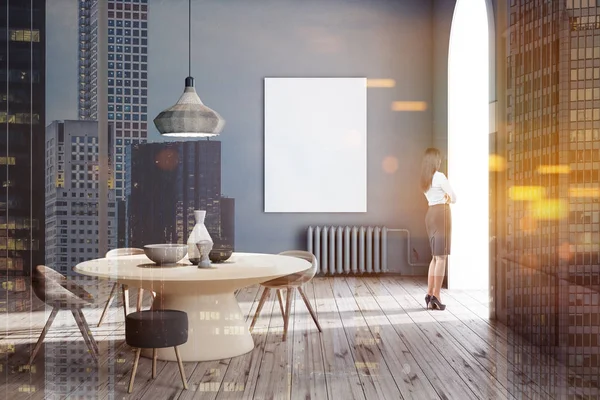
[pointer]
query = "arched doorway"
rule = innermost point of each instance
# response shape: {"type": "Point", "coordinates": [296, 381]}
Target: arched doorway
{"type": "Point", "coordinates": [469, 96]}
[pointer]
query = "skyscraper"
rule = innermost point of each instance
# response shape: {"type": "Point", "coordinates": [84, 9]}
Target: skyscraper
{"type": "Point", "coordinates": [72, 194]}
{"type": "Point", "coordinates": [167, 182]}
{"type": "Point", "coordinates": [553, 162]}
{"type": "Point", "coordinates": [226, 238]}
{"type": "Point", "coordinates": [22, 114]}
{"type": "Point", "coordinates": [127, 71]}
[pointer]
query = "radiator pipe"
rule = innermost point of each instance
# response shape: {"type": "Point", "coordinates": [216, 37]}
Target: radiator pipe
{"type": "Point", "coordinates": [408, 248]}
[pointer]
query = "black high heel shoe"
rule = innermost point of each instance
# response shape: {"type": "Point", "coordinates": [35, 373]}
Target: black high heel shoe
{"type": "Point", "coordinates": [427, 300]}
{"type": "Point", "coordinates": [436, 304]}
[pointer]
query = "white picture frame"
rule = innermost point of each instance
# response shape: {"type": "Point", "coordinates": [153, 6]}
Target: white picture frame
{"type": "Point", "coordinates": [315, 145]}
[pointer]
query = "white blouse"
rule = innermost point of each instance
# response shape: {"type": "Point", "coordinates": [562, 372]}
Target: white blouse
{"type": "Point", "coordinates": [439, 187]}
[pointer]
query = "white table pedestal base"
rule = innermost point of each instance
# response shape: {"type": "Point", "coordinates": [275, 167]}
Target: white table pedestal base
{"type": "Point", "coordinates": [217, 329]}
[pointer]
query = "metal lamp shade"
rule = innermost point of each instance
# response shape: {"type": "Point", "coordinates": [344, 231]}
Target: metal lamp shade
{"type": "Point", "coordinates": [189, 117]}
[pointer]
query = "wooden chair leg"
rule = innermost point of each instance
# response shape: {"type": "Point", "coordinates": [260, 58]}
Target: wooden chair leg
{"type": "Point", "coordinates": [310, 309]}
{"type": "Point", "coordinates": [154, 358]}
{"type": "Point", "coordinates": [110, 297]}
{"type": "Point", "coordinates": [134, 370]}
{"type": "Point", "coordinates": [89, 331]}
{"type": "Point", "coordinates": [288, 309]}
{"type": "Point", "coordinates": [125, 293]}
{"type": "Point", "coordinates": [139, 299]}
{"type": "Point", "coordinates": [280, 299]}
{"type": "Point", "coordinates": [43, 335]}
{"type": "Point", "coordinates": [181, 371]}
{"type": "Point", "coordinates": [89, 341]}
{"type": "Point", "coordinates": [263, 298]}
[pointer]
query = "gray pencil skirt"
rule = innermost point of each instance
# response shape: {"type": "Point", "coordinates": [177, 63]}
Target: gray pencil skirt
{"type": "Point", "coordinates": [438, 222]}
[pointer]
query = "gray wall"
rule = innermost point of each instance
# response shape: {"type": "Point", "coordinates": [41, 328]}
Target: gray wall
{"type": "Point", "coordinates": [443, 11]}
{"type": "Point", "coordinates": [238, 42]}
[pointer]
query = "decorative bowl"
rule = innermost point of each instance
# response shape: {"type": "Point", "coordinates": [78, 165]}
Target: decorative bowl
{"type": "Point", "coordinates": [166, 253]}
{"type": "Point", "coordinates": [220, 255]}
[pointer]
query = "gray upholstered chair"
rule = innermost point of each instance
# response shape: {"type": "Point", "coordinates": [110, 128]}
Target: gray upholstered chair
{"type": "Point", "coordinates": [289, 282]}
{"type": "Point", "coordinates": [57, 291]}
{"type": "Point", "coordinates": [129, 251]}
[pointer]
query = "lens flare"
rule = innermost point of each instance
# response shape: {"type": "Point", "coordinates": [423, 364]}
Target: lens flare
{"type": "Point", "coordinates": [564, 251]}
{"type": "Point", "coordinates": [584, 192]}
{"type": "Point", "coordinates": [409, 106]}
{"type": "Point", "coordinates": [553, 169]}
{"type": "Point", "coordinates": [526, 193]}
{"type": "Point", "coordinates": [550, 209]}
{"type": "Point", "coordinates": [381, 83]}
{"type": "Point", "coordinates": [528, 224]}
{"type": "Point", "coordinates": [389, 164]}
{"type": "Point", "coordinates": [167, 159]}
{"type": "Point", "coordinates": [497, 163]}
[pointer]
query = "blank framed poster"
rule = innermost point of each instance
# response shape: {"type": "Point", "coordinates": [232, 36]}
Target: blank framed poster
{"type": "Point", "coordinates": [316, 145]}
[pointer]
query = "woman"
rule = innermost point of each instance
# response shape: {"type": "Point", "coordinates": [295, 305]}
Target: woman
{"type": "Point", "coordinates": [439, 194]}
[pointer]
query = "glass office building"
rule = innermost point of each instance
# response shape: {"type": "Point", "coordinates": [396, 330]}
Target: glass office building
{"type": "Point", "coordinates": [72, 180]}
{"type": "Point", "coordinates": [127, 72]}
{"type": "Point", "coordinates": [22, 114]}
{"type": "Point", "coordinates": [166, 182]}
{"type": "Point", "coordinates": [552, 218]}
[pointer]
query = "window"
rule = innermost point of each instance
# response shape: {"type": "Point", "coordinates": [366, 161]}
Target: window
{"type": "Point", "coordinates": [19, 118]}
{"type": "Point", "coordinates": [25, 35]}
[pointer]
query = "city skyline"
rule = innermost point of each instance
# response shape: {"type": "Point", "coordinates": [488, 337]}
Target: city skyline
{"type": "Point", "coordinates": [165, 74]}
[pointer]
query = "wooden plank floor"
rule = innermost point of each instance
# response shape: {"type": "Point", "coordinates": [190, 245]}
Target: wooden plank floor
{"type": "Point", "coordinates": [378, 342]}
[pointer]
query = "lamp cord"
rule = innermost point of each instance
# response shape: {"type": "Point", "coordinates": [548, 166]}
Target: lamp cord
{"type": "Point", "coordinates": [190, 38]}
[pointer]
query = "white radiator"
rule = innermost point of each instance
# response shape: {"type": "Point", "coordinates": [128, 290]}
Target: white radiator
{"type": "Point", "coordinates": [344, 249]}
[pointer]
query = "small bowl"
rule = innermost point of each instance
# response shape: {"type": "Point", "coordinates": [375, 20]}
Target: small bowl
{"type": "Point", "coordinates": [220, 255]}
{"type": "Point", "coordinates": [167, 253]}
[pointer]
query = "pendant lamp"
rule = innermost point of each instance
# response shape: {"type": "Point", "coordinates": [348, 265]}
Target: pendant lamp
{"type": "Point", "coordinates": [189, 117]}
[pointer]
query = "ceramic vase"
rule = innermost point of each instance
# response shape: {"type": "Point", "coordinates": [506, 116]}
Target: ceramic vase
{"type": "Point", "coordinates": [204, 247]}
{"type": "Point", "coordinates": [198, 234]}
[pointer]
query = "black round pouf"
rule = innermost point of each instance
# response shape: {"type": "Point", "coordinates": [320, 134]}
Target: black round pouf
{"type": "Point", "coordinates": [155, 329]}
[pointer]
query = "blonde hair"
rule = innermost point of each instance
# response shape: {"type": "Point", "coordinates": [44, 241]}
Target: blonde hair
{"type": "Point", "coordinates": [429, 165]}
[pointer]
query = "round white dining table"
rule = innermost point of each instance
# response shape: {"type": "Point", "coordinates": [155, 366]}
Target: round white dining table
{"type": "Point", "coordinates": [216, 325]}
